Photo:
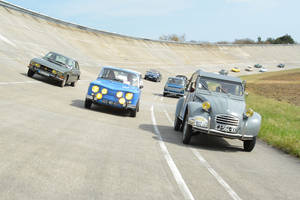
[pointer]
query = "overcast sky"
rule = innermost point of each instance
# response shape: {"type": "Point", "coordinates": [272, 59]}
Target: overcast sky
{"type": "Point", "coordinates": [201, 20]}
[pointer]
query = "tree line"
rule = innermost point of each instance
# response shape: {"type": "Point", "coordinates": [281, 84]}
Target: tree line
{"type": "Point", "coordinates": [285, 39]}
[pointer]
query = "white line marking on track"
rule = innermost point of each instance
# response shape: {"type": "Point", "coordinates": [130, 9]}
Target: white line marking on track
{"type": "Point", "coordinates": [7, 40]}
{"type": "Point", "coordinates": [216, 175]}
{"type": "Point", "coordinates": [179, 180]}
{"type": "Point", "coordinates": [223, 183]}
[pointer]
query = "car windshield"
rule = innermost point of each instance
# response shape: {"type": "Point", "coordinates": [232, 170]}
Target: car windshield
{"type": "Point", "coordinates": [60, 59]}
{"type": "Point", "coordinates": [220, 86]}
{"type": "Point", "coordinates": [177, 81]}
{"type": "Point", "coordinates": [120, 76]}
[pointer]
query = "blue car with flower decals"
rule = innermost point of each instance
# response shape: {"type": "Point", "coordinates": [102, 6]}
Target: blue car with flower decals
{"type": "Point", "coordinates": [116, 87]}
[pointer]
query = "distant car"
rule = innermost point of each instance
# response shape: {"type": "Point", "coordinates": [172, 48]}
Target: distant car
{"type": "Point", "coordinates": [55, 66]}
{"type": "Point", "coordinates": [263, 69]}
{"type": "Point", "coordinates": [258, 66]}
{"type": "Point", "coordinates": [249, 69]}
{"type": "Point", "coordinates": [223, 72]}
{"type": "Point", "coordinates": [174, 86]}
{"type": "Point", "coordinates": [116, 87]}
{"type": "Point", "coordinates": [235, 69]}
{"type": "Point", "coordinates": [153, 75]}
{"type": "Point", "coordinates": [215, 105]}
{"type": "Point", "coordinates": [281, 65]}
{"type": "Point", "coordinates": [182, 76]}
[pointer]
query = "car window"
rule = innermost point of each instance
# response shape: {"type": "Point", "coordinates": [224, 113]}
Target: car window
{"type": "Point", "coordinates": [176, 81]}
{"type": "Point", "coordinates": [220, 86]}
{"type": "Point", "coordinates": [120, 76]}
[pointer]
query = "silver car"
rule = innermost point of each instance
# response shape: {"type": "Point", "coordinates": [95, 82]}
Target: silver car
{"type": "Point", "coordinates": [215, 105]}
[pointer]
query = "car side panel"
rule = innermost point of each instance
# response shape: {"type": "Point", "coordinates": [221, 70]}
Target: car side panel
{"type": "Point", "coordinates": [179, 107]}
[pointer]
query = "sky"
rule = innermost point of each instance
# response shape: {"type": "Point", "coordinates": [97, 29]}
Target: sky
{"type": "Point", "coordinates": [199, 20]}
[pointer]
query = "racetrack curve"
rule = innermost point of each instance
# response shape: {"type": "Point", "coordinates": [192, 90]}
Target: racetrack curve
{"type": "Point", "coordinates": [54, 148]}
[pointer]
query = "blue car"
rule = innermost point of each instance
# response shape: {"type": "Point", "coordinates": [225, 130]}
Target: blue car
{"type": "Point", "coordinates": [116, 87]}
{"type": "Point", "coordinates": [174, 86]}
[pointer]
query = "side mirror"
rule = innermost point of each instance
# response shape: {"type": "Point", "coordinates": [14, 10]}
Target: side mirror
{"type": "Point", "coordinates": [141, 86]}
{"type": "Point", "coordinates": [192, 89]}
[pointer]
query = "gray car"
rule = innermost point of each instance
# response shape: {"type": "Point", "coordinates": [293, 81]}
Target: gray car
{"type": "Point", "coordinates": [55, 66]}
{"type": "Point", "coordinates": [215, 105]}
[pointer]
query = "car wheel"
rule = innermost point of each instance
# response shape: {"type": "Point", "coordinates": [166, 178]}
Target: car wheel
{"type": "Point", "coordinates": [138, 106]}
{"type": "Point", "coordinates": [164, 94]}
{"type": "Point", "coordinates": [249, 144]}
{"type": "Point", "coordinates": [133, 113]}
{"type": "Point", "coordinates": [88, 104]}
{"type": "Point", "coordinates": [187, 132]}
{"type": "Point", "coordinates": [30, 73]}
{"type": "Point", "coordinates": [177, 124]}
{"type": "Point", "coordinates": [63, 82]}
{"type": "Point", "coordinates": [73, 84]}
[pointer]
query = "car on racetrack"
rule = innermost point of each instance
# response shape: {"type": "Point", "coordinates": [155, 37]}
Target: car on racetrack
{"type": "Point", "coordinates": [182, 76]}
{"type": "Point", "coordinates": [281, 65]}
{"type": "Point", "coordinates": [235, 69]}
{"type": "Point", "coordinates": [215, 105]}
{"type": "Point", "coordinates": [174, 86]}
{"type": "Point", "coordinates": [153, 75]}
{"type": "Point", "coordinates": [258, 66]}
{"type": "Point", "coordinates": [249, 68]}
{"type": "Point", "coordinates": [263, 69]}
{"type": "Point", "coordinates": [116, 87]}
{"type": "Point", "coordinates": [55, 66]}
{"type": "Point", "coordinates": [223, 72]}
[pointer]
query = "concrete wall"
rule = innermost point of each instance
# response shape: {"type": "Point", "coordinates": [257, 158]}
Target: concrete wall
{"type": "Point", "coordinates": [25, 34]}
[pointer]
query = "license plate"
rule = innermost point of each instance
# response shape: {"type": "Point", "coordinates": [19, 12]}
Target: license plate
{"type": "Point", "coordinates": [225, 128]}
{"type": "Point", "coordinates": [43, 73]}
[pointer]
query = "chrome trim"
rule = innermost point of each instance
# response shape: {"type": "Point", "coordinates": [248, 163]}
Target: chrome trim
{"type": "Point", "coordinates": [227, 120]}
{"type": "Point", "coordinates": [223, 134]}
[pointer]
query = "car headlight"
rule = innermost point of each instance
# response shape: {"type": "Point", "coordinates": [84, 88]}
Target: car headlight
{"type": "Point", "coordinates": [198, 121]}
{"type": "Point", "coordinates": [249, 112]}
{"type": "Point", "coordinates": [99, 96]}
{"type": "Point", "coordinates": [206, 106]}
{"type": "Point", "coordinates": [122, 101]}
{"type": "Point", "coordinates": [37, 64]}
{"type": "Point", "coordinates": [104, 91]}
{"type": "Point", "coordinates": [119, 94]}
{"type": "Point", "coordinates": [54, 72]}
{"type": "Point", "coordinates": [129, 96]}
{"type": "Point", "coordinates": [95, 88]}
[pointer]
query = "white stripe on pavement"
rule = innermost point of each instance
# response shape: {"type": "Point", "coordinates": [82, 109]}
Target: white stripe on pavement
{"type": "Point", "coordinates": [223, 183]}
{"type": "Point", "coordinates": [230, 191]}
{"type": "Point", "coordinates": [179, 180]}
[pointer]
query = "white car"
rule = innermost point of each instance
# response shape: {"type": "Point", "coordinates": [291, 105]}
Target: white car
{"type": "Point", "coordinates": [249, 69]}
{"type": "Point", "coordinates": [263, 69]}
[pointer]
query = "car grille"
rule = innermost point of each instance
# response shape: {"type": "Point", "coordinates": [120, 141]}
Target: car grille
{"type": "Point", "coordinates": [46, 68]}
{"type": "Point", "coordinates": [174, 89]}
{"type": "Point", "coordinates": [227, 120]}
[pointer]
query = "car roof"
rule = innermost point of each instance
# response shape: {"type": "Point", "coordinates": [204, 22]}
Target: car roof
{"type": "Point", "coordinates": [178, 78]}
{"type": "Point", "coordinates": [62, 55]}
{"type": "Point", "coordinates": [122, 69]}
{"type": "Point", "coordinates": [218, 76]}
{"type": "Point", "coordinates": [153, 70]}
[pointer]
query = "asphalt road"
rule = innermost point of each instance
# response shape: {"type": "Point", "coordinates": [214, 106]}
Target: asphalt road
{"type": "Point", "coordinates": [53, 148]}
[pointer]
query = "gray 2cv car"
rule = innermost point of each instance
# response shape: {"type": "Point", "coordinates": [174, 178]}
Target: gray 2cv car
{"type": "Point", "coordinates": [55, 66]}
{"type": "Point", "coordinates": [215, 105]}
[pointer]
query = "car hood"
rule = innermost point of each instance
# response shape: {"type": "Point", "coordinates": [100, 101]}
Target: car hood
{"type": "Point", "coordinates": [115, 85]}
{"type": "Point", "coordinates": [50, 65]}
{"type": "Point", "coordinates": [174, 85]}
{"type": "Point", "coordinates": [222, 104]}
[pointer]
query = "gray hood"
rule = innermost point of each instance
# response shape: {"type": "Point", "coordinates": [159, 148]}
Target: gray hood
{"type": "Point", "coordinates": [224, 104]}
{"type": "Point", "coordinates": [51, 65]}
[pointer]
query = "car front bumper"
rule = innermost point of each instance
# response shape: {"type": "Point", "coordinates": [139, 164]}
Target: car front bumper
{"type": "Point", "coordinates": [45, 73]}
{"type": "Point", "coordinates": [173, 93]}
{"type": "Point", "coordinates": [210, 131]}
{"type": "Point", "coordinates": [108, 102]}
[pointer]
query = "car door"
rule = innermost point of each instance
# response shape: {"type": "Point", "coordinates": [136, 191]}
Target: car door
{"type": "Point", "coordinates": [189, 93]}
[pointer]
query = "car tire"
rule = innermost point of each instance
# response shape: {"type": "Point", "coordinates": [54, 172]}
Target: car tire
{"type": "Point", "coordinates": [164, 94]}
{"type": "Point", "coordinates": [63, 82]}
{"type": "Point", "coordinates": [30, 73]}
{"type": "Point", "coordinates": [133, 113]}
{"type": "Point", "coordinates": [187, 132]}
{"type": "Point", "coordinates": [138, 107]}
{"type": "Point", "coordinates": [177, 124]}
{"type": "Point", "coordinates": [88, 103]}
{"type": "Point", "coordinates": [249, 144]}
{"type": "Point", "coordinates": [73, 84]}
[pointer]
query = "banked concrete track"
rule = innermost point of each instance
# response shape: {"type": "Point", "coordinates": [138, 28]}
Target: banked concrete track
{"type": "Point", "coordinates": [53, 148]}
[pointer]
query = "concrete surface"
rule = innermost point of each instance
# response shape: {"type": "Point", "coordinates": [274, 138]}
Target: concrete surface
{"type": "Point", "coordinates": [53, 148]}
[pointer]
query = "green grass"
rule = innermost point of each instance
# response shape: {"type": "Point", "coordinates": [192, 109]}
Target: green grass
{"type": "Point", "coordinates": [280, 123]}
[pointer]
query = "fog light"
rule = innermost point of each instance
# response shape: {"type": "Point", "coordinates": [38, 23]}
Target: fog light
{"type": "Point", "coordinates": [95, 88]}
{"type": "Point", "coordinates": [104, 91]}
{"type": "Point", "coordinates": [119, 94]}
{"type": "Point", "coordinates": [122, 101]}
{"type": "Point", "coordinates": [99, 96]}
